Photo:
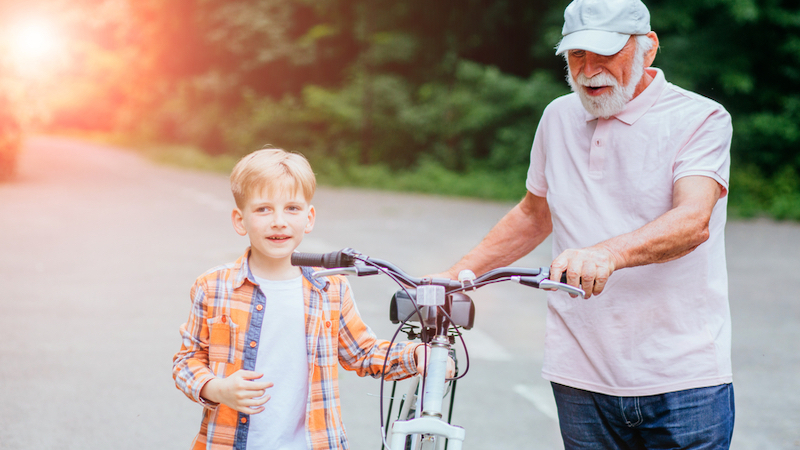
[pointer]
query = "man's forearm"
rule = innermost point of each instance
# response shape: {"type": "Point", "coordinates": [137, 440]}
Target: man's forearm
{"type": "Point", "coordinates": [672, 235]}
{"type": "Point", "coordinates": [676, 233]}
{"type": "Point", "coordinates": [516, 235]}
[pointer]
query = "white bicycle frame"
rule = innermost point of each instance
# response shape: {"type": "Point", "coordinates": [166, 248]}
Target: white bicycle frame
{"type": "Point", "coordinates": [428, 425]}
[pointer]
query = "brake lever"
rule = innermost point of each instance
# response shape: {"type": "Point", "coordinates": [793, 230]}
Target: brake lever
{"type": "Point", "coordinates": [550, 284]}
{"type": "Point", "coordinates": [542, 281]}
{"type": "Point", "coordinates": [547, 283]}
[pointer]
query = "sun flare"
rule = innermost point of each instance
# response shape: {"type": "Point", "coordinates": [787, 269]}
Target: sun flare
{"type": "Point", "coordinates": [33, 43]}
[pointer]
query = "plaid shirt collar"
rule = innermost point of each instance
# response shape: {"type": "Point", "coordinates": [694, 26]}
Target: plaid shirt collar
{"type": "Point", "coordinates": [243, 272]}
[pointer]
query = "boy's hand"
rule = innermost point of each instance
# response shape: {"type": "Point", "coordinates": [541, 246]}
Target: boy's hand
{"type": "Point", "coordinates": [238, 391]}
{"type": "Point", "coordinates": [419, 357]}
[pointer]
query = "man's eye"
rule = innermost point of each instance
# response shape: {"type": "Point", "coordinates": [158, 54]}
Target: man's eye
{"type": "Point", "coordinates": [578, 53]}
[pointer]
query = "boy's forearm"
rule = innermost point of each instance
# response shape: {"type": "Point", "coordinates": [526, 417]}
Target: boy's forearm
{"type": "Point", "coordinates": [192, 378]}
{"type": "Point", "coordinates": [402, 360]}
{"type": "Point", "coordinates": [191, 372]}
{"type": "Point", "coordinates": [361, 351]}
{"type": "Point", "coordinates": [210, 391]}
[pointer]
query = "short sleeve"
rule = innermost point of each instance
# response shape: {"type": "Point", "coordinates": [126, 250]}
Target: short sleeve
{"type": "Point", "coordinates": [536, 182]}
{"type": "Point", "coordinates": [707, 152]}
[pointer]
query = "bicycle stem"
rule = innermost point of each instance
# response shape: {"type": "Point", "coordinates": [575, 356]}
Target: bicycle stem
{"type": "Point", "coordinates": [435, 379]}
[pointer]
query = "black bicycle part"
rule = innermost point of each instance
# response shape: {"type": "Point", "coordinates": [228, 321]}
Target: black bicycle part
{"type": "Point", "coordinates": [343, 258]}
{"type": "Point", "coordinates": [461, 309]}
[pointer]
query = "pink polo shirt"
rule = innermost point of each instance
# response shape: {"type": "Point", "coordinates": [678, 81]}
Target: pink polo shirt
{"type": "Point", "coordinates": [656, 328]}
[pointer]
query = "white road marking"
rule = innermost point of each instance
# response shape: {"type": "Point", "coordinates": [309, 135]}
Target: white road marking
{"type": "Point", "coordinates": [541, 396]}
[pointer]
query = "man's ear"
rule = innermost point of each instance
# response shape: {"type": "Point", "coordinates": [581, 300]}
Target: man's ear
{"type": "Point", "coordinates": [238, 222]}
{"type": "Point", "coordinates": [312, 215]}
{"type": "Point", "coordinates": [651, 54]}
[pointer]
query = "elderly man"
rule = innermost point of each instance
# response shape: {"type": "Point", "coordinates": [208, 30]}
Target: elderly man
{"type": "Point", "coordinates": [628, 172]}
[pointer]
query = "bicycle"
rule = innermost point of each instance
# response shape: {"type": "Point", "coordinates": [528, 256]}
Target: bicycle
{"type": "Point", "coordinates": [441, 308]}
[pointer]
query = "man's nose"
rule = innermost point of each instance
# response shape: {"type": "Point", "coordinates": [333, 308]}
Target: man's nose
{"type": "Point", "coordinates": [592, 65]}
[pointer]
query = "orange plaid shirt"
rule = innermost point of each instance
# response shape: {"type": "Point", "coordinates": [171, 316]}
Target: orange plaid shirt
{"type": "Point", "coordinates": [218, 340]}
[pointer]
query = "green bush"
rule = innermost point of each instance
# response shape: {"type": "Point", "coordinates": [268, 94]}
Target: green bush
{"type": "Point", "coordinates": [482, 117]}
{"type": "Point", "coordinates": [428, 177]}
{"type": "Point", "coordinates": [769, 140]}
{"type": "Point", "coordinates": [753, 194]}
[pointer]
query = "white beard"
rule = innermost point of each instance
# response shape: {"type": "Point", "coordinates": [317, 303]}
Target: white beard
{"type": "Point", "coordinates": [611, 103]}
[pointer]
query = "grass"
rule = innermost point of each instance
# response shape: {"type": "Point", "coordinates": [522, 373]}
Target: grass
{"type": "Point", "coordinates": [427, 177]}
{"type": "Point", "coordinates": [189, 157]}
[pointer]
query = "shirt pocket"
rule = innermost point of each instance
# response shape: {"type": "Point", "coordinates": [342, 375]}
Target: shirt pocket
{"type": "Point", "coordinates": [222, 339]}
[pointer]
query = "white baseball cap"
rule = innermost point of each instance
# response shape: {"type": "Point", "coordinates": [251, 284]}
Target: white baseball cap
{"type": "Point", "coordinates": [602, 26]}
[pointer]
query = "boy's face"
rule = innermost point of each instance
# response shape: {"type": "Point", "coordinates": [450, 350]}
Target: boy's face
{"type": "Point", "coordinates": [275, 225]}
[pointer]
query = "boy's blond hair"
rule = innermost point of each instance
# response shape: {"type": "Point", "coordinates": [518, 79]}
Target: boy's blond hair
{"type": "Point", "coordinates": [273, 169]}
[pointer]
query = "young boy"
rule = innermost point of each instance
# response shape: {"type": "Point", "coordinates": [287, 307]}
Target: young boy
{"type": "Point", "coordinates": [261, 346]}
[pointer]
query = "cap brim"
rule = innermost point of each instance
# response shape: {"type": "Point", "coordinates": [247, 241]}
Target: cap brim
{"type": "Point", "coordinates": [604, 43]}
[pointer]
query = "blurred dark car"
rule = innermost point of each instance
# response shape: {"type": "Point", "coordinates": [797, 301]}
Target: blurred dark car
{"type": "Point", "coordinates": [10, 144]}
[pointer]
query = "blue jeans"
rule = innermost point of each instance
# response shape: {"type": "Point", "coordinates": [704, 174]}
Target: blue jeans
{"type": "Point", "coordinates": [692, 419]}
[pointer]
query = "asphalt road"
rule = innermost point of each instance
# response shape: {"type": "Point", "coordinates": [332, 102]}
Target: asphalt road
{"type": "Point", "coordinates": [98, 249]}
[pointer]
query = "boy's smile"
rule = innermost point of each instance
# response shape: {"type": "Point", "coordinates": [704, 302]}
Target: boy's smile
{"type": "Point", "coordinates": [276, 223]}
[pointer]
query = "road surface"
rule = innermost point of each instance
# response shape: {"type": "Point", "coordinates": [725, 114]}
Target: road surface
{"type": "Point", "coordinates": [98, 249]}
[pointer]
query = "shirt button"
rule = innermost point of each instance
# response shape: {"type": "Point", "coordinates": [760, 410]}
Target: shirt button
{"type": "Point", "coordinates": [598, 143]}
{"type": "Point", "coordinates": [259, 307]}
{"type": "Point", "coordinates": [224, 319]}
{"type": "Point", "coordinates": [243, 420]}
{"type": "Point", "coordinates": [328, 324]}
{"type": "Point", "coordinates": [253, 344]}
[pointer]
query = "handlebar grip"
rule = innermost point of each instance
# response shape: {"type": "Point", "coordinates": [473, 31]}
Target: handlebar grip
{"type": "Point", "coordinates": [308, 259]}
{"type": "Point", "coordinates": [332, 260]}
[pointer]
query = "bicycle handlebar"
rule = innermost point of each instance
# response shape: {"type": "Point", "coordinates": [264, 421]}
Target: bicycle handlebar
{"type": "Point", "coordinates": [439, 306]}
{"type": "Point", "coordinates": [342, 258]}
{"type": "Point", "coordinates": [349, 261]}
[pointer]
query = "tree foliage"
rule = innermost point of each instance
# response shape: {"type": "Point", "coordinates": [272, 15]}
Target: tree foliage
{"type": "Point", "coordinates": [746, 55]}
{"type": "Point", "coordinates": [458, 83]}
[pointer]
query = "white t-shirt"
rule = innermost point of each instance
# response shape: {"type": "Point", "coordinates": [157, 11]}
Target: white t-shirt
{"type": "Point", "coordinates": [282, 359]}
{"type": "Point", "coordinates": [656, 328]}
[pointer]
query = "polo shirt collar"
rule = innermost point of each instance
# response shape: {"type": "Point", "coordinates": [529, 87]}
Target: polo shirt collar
{"type": "Point", "coordinates": [637, 107]}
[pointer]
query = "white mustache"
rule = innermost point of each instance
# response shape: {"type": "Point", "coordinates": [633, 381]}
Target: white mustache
{"type": "Point", "coordinates": [601, 79]}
